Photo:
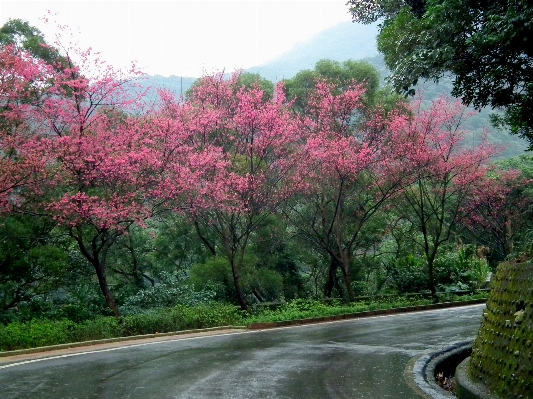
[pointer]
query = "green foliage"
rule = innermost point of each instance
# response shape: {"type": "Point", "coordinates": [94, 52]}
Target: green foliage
{"type": "Point", "coordinates": [408, 273]}
{"type": "Point", "coordinates": [170, 291]}
{"type": "Point", "coordinates": [278, 275]}
{"type": "Point", "coordinates": [461, 269]}
{"type": "Point", "coordinates": [99, 328]}
{"type": "Point", "coordinates": [485, 45]}
{"type": "Point", "coordinates": [32, 262]}
{"type": "Point", "coordinates": [35, 333]}
{"type": "Point", "coordinates": [215, 274]}
{"type": "Point", "coordinates": [306, 308]}
{"type": "Point", "coordinates": [341, 74]}
{"type": "Point", "coordinates": [176, 246]}
{"type": "Point", "coordinates": [29, 38]}
{"type": "Point", "coordinates": [248, 80]}
{"type": "Point", "coordinates": [456, 269]}
{"type": "Point", "coordinates": [253, 80]}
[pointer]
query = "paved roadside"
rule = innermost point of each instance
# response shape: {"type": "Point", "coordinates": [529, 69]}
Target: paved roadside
{"type": "Point", "coordinates": [92, 346]}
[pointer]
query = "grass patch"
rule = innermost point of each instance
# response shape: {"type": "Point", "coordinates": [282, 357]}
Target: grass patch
{"type": "Point", "coordinates": [305, 309]}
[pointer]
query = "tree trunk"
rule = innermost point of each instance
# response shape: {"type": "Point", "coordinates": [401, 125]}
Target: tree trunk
{"type": "Point", "coordinates": [345, 268]}
{"type": "Point", "coordinates": [96, 257]}
{"type": "Point", "coordinates": [237, 283]}
{"type": "Point", "coordinates": [204, 240]}
{"type": "Point", "coordinates": [330, 283]}
{"type": "Point", "coordinates": [431, 281]}
{"type": "Point", "coordinates": [138, 277]}
{"type": "Point", "coordinates": [509, 236]}
{"type": "Point", "coordinates": [348, 282]}
{"type": "Point", "coordinates": [104, 287]}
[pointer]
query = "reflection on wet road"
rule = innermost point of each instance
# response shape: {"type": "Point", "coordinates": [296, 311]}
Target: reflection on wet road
{"type": "Point", "coordinates": [362, 358]}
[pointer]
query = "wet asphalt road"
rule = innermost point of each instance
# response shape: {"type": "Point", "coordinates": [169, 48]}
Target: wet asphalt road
{"type": "Point", "coordinates": [362, 358]}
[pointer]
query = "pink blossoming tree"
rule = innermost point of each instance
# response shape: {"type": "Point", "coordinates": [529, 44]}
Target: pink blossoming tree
{"type": "Point", "coordinates": [446, 174]}
{"type": "Point", "coordinates": [259, 140]}
{"type": "Point", "coordinates": [23, 79]}
{"type": "Point", "coordinates": [352, 171]}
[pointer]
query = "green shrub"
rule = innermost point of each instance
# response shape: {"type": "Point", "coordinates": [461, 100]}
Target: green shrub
{"type": "Point", "coordinates": [408, 273]}
{"type": "Point", "coordinates": [19, 335]}
{"type": "Point", "coordinates": [100, 328]}
{"type": "Point", "coordinates": [35, 333]}
{"type": "Point", "coordinates": [303, 309]}
{"type": "Point", "coordinates": [180, 317]}
{"type": "Point", "coordinates": [214, 274]}
{"type": "Point", "coordinates": [170, 292]}
{"type": "Point", "coordinates": [460, 269]}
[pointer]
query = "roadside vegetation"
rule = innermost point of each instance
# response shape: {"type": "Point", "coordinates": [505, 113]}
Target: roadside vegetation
{"type": "Point", "coordinates": [45, 332]}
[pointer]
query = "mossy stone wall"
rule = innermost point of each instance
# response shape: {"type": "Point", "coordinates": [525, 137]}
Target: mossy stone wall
{"type": "Point", "coordinates": [502, 355]}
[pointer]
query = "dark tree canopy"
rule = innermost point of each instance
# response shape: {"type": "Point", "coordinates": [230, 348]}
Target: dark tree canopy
{"type": "Point", "coordinates": [28, 38]}
{"type": "Point", "coordinates": [484, 44]}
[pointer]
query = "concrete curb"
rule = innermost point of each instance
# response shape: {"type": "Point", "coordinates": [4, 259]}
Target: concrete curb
{"type": "Point", "coordinates": [359, 315]}
{"type": "Point", "coordinates": [467, 388]}
{"type": "Point", "coordinates": [419, 372]}
{"type": "Point", "coordinates": [112, 340]}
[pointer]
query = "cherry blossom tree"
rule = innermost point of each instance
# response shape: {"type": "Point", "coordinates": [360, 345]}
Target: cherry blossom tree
{"type": "Point", "coordinates": [500, 210]}
{"type": "Point", "coordinates": [353, 170]}
{"type": "Point", "coordinates": [104, 162]}
{"type": "Point", "coordinates": [22, 155]}
{"type": "Point", "coordinates": [259, 139]}
{"type": "Point", "coordinates": [447, 172]}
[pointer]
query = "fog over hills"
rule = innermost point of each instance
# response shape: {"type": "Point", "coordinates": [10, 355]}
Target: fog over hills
{"type": "Point", "coordinates": [342, 42]}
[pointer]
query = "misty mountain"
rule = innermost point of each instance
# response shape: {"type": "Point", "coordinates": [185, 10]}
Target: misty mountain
{"type": "Point", "coordinates": [178, 85]}
{"type": "Point", "coordinates": [340, 43]}
{"type": "Point", "coordinates": [477, 122]}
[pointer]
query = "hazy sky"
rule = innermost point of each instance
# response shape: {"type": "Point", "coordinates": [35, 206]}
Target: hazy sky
{"type": "Point", "coordinates": [184, 38]}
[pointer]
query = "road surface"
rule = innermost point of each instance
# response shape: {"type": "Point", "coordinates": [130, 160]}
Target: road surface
{"type": "Point", "coordinates": [361, 358]}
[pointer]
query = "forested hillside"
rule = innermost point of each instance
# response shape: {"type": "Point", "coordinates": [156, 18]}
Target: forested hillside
{"type": "Point", "coordinates": [479, 121]}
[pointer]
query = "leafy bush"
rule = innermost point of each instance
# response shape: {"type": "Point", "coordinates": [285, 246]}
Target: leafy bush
{"type": "Point", "coordinates": [100, 328]}
{"type": "Point", "coordinates": [409, 273]}
{"type": "Point", "coordinates": [181, 317]}
{"type": "Point", "coordinates": [19, 335]}
{"type": "Point", "coordinates": [171, 291]}
{"type": "Point", "coordinates": [303, 309]}
{"type": "Point", "coordinates": [214, 274]}
{"type": "Point", "coordinates": [461, 269]}
{"type": "Point", "coordinates": [35, 333]}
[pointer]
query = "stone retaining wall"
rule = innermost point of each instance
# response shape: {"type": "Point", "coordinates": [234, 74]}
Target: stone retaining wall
{"type": "Point", "coordinates": [502, 356]}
